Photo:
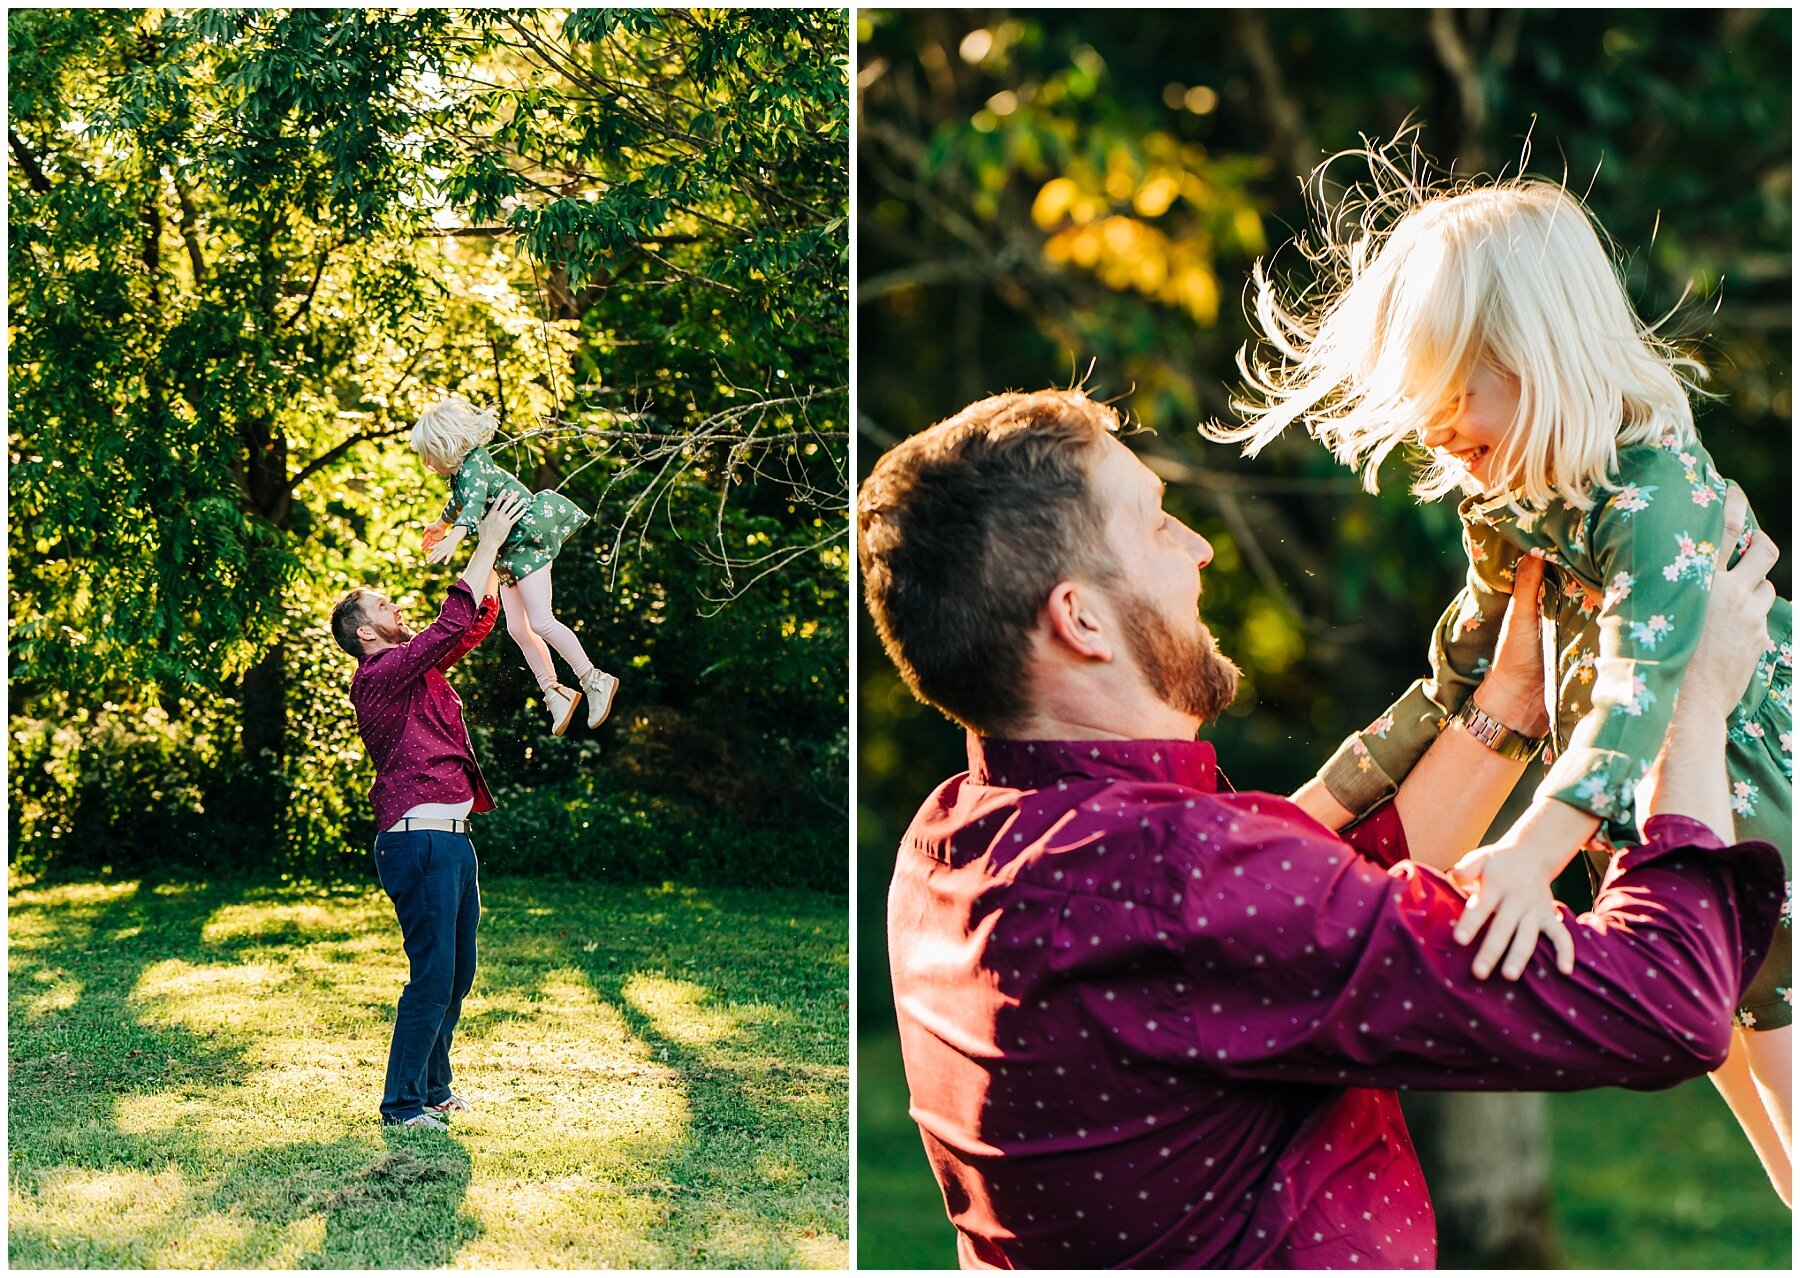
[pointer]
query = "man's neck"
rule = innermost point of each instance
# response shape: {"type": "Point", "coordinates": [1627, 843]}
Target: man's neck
{"type": "Point", "coordinates": [1099, 719]}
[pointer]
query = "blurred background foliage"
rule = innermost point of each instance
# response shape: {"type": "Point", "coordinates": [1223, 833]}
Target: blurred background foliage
{"type": "Point", "coordinates": [1046, 197]}
{"type": "Point", "coordinates": [248, 246]}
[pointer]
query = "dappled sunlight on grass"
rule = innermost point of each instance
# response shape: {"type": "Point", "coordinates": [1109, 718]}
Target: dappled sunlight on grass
{"type": "Point", "coordinates": [211, 997]}
{"type": "Point", "coordinates": [162, 1112]}
{"type": "Point", "coordinates": [262, 919]}
{"type": "Point", "coordinates": [103, 1218]}
{"type": "Point", "coordinates": [737, 1236]}
{"type": "Point", "coordinates": [46, 990]}
{"type": "Point", "coordinates": [686, 1013]}
{"type": "Point", "coordinates": [563, 1218]}
{"type": "Point", "coordinates": [204, 1067]}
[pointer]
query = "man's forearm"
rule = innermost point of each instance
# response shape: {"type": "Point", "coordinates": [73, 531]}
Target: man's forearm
{"type": "Point", "coordinates": [1448, 801]}
{"type": "Point", "coordinates": [1688, 778]}
{"type": "Point", "coordinates": [481, 563]}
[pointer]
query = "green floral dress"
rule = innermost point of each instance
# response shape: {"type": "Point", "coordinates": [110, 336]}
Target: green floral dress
{"type": "Point", "coordinates": [1625, 596]}
{"type": "Point", "coordinates": [535, 539]}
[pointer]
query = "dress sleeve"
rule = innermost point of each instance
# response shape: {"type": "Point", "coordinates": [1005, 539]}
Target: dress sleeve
{"type": "Point", "coordinates": [469, 490]}
{"type": "Point", "coordinates": [1370, 765]}
{"type": "Point", "coordinates": [1311, 964]}
{"type": "Point", "coordinates": [1653, 543]}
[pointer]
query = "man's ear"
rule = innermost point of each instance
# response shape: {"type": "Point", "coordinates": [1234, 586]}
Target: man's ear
{"type": "Point", "coordinates": [1075, 624]}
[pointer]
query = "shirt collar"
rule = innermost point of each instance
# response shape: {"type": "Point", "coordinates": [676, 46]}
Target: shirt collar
{"type": "Point", "coordinates": [1031, 765]}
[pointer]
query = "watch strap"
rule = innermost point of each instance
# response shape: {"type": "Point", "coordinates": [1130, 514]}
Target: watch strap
{"type": "Point", "coordinates": [1495, 735]}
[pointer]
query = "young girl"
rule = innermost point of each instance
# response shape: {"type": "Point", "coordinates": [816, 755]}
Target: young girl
{"type": "Point", "coordinates": [1489, 325]}
{"type": "Point", "coordinates": [450, 436]}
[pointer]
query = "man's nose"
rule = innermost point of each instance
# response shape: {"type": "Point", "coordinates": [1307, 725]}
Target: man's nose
{"type": "Point", "coordinates": [1201, 548]}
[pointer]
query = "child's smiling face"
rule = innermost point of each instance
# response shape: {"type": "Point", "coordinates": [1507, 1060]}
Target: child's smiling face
{"type": "Point", "coordinates": [1473, 432]}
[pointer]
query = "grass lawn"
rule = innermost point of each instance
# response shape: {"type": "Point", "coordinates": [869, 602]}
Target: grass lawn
{"type": "Point", "coordinates": [1642, 1180]}
{"type": "Point", "coordinates": [660, 1079]}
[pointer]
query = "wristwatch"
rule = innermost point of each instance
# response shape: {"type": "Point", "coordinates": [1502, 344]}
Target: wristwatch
{"type": "Point", "coordinates": [1495, 735]}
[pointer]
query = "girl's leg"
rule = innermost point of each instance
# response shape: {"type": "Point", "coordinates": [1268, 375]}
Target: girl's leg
{"type": "Point", "coordinates": [1750, 1101]}
{"type": "Point", "coordinates": [535, 590]}
{"type": "Point", "coordinates": [518, 625]}
{"type": "Point", "coordinates": [1771, 1054]}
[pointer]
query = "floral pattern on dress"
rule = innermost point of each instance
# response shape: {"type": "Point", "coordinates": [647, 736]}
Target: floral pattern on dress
{"type": "Point", "coordinates": [1693, 561]}
{"type": "Point", "coordinates": [538, 536]}
{"type": "Point", "coordinates": [1623, 608]}
{"type": "Point", "coordinates": [1632, 498]}
{"type": "Point", "coordinates": [1647, 634]}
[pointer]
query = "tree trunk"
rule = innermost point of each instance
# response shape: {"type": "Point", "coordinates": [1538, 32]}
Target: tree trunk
{"type": "Point", "coordinates": [263, 692]}
{"type": "Point", "coordinates": [1486, 1157]}
{"type": "Point", "coordinates": [264, 728]}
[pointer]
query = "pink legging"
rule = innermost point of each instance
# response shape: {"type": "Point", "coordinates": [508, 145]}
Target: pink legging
{"type": "Point", "coordinates": [536, 630]}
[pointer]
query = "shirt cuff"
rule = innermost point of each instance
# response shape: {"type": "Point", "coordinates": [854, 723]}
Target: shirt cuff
{"type": "Point", "coordinates": [1761, 882]}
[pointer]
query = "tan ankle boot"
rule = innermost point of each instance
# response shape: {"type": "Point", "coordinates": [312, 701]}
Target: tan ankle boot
{"type": "Point", "coordinates": [600, 688]}
{"type": "Point", "coordinates": [561, 703]}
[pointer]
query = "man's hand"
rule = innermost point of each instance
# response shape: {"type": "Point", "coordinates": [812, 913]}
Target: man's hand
{"type": "Point", "coordinates": [1689, 777]}
{"type": "Point", "coordinates": [498, 521]}
{"type": "Point", "coordinates": [1736, 635]}
{"type": "Point", "coordinates": [501, 516]}
{"type": "Point", "coordinates": [440, 550]}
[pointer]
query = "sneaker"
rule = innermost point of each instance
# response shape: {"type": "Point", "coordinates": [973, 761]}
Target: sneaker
{"type": "Point", "coordinates": [453, 1104]}
{"type": "Point", "coordinates": [561, 703]}
{"type": "Point", "coordinates": [600, 688]}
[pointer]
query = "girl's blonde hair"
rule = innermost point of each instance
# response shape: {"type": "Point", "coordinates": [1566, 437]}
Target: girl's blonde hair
{"type": "Point", "coordinates": [1429, 283]}
{"type": "Point", "coordinates": [451, 429]}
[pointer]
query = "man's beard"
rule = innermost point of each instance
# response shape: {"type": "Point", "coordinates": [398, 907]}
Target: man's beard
{"type": "Point", "coordinates": [1186, 671]}
{"type": "Point", "coordinates": [397, 633]}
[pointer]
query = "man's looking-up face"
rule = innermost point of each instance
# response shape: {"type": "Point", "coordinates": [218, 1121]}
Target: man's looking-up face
{"type": "Point", "coordinates": [382, 616]}
{"type": "Point", "coordinates": [1156, 594]}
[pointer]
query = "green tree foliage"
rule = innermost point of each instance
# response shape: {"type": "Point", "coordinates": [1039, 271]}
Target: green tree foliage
{"type": "Point", "coordinates": [1041, 192]}
{"type": "Point", "coordinates": [248, 246]}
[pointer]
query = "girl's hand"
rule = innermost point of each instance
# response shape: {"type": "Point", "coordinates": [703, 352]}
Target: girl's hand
{"type": "Point", "coordinates": [434, 533]}
{"type": "Point", "coordinates": [1509, 889]}
{"type": "Point", "coordinates": [440, 551]}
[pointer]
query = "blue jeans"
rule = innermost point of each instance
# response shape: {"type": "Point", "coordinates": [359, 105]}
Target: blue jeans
{"type": "Point", "coordinates": [430, 875]}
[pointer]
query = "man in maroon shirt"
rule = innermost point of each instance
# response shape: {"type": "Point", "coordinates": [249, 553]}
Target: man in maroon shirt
{"type": "Point", "coordinates": [426, 784]}
{"type": "Point", "coordinates": [1148, 1022]}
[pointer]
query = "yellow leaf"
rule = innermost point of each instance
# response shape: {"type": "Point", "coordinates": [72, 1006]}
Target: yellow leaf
{"type": "Point", "coordinates": [1053, 200]}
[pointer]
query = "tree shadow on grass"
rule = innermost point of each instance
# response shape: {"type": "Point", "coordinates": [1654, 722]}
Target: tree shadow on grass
{"type": "Point", "coordinates": [405, 1210]}
{"type": "Point", "coordinates": [762, 1163]}
{"type": "Point", "coordinates": [114, 1155]}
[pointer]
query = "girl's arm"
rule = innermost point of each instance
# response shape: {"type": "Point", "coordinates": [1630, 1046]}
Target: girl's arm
{"type": "Point", "coordinates": [1650, 622]}
{"type": "Point", "coordinates": [1654, 544]}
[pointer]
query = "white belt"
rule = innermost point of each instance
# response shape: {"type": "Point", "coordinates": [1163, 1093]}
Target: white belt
{"type": "Point", "coordinates": [451, 824]}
